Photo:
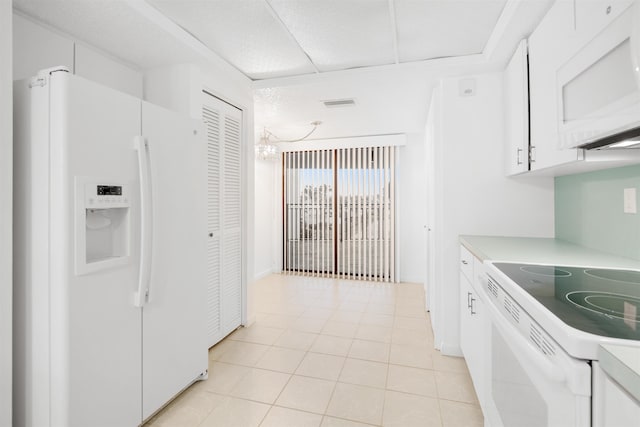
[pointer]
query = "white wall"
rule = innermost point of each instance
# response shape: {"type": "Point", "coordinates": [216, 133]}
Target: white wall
{"type": "Point", "coordinates": [176, 87]}
{"type": "Point", "coordinates": [94, 65]}
{"type": "Point", "coordinates": [412, 209]}
{"type": "Point", "coordinates": [472, 195]}
{"type": "Point", "coordinates": [268, 218]}
{"type": "Point", "coordinates": [6, 172]}
{"type": "Point", "coordinates": [37, 46]}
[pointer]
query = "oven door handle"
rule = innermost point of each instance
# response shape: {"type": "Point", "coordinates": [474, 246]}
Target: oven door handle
{"type": "Point", "coordinates": [523, 348]}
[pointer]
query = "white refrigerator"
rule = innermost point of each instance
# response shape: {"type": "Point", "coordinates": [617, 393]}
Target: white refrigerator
{"type": "Point", "coordinates": [110, 254]}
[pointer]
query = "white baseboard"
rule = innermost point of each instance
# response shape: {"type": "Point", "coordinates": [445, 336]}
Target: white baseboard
{"type": "Point", "coordinates": [451, 350]}
{"type": "Point", "coordinates": [250, 321]}
{"type": "Point", "coordinates": [263, 274]}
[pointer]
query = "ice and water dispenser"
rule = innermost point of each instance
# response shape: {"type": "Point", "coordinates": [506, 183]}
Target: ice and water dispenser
{"type": "Point", "coordinates": [103, 237]}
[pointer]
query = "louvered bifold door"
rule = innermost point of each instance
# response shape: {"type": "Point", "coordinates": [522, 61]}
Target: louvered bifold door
{"type": "Point", "coordinates": [211, 118]}
{"type": "Point", "coordinates": [231, 223]}
{"type": "Point", "coordinates": [224, 217]}
{"type": "Point", "coordinates": [339, 213]}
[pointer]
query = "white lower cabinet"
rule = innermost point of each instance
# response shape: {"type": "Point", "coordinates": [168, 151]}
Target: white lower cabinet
{"type": "Point", "coordinates": [612, 405]}
{"type": "Point", "coordinates": [473, 322]}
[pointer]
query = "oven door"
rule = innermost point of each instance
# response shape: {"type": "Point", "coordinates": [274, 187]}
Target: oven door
{"type": "Point", "coordinates": [527, 387]}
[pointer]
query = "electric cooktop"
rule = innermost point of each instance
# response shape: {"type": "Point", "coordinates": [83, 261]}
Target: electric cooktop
{"type": "Point", "coordinates": [599, 301]}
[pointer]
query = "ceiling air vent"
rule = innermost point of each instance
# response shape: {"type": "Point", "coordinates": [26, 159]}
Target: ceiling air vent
{"type": "Point", "coordinates": [337, 103]}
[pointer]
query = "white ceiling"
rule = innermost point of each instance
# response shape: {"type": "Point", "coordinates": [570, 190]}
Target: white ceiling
{"type": "Point", "coordinates": [389, 99]}
{"type": "Point", "coordinates": [387, 54]}
{"type": "Point", "coordinates": [276, 38]}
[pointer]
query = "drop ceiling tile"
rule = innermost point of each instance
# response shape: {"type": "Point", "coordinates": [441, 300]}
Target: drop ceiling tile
{"type": "Point", "coordinates": [340, 34]}
{"type": "Point", "coordinates": [430, 29]}
{"type": "Point", "coordinates": [111, 26]}
{"type": "Point", "coordinates": [390, 100]}
{"type": "Point", "coordinates": [244, 32]}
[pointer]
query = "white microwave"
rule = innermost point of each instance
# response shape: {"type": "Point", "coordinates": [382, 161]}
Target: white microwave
{"type": "Point", "coordinates": [598, 89]}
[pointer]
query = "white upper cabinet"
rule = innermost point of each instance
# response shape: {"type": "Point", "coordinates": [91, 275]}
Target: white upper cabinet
{"type": "Point", "coordinates": [597, 86]}
{"type": "Point", "coordinates": [36, 47]}
{"type": "Point", "coordinates": [516, 112]}
{"type": "Point", "coordinates": [592, 16]}
{"type": "Point", "coordinates": [550, 45]}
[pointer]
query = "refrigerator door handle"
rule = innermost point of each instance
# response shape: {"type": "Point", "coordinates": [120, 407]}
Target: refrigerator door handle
{"type": "Point", "coordinates": [141, 296]}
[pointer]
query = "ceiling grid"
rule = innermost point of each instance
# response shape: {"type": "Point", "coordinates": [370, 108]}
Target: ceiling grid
{"type": "Point", "coordinates": [291, 36]}
{"type": "Point", "coordinates": [266, 39]}
{"type": "Point", "coordinates": [394, 30]}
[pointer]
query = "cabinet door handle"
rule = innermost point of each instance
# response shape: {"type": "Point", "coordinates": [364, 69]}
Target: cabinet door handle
{"type": "Point", "coordinates": [518, 151]}
{"type": "Point", "coordinates": [472, 312]}
{"type": "Point", "coordinates": [469, 299]}
{"type": "Point", "coordinates": [532, 154]}
{"type": "Point", "coordinates": [465, 262]}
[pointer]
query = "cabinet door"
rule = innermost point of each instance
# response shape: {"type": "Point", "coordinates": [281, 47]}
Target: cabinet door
{"type": "Point", "coordinates": [472, 331]}
{"type": "Point", "coordinates": [36, 47]}
{"type": "Point", "coordinates": [592, 16]}
{"type": "Point", "coordinates": [550, 46]}
{"type": "Point", "coordinates": [466, 333]}
{"type": "Point", "coordinates": [466, 262]}
{"type": "Point", "coordinates": [612, 405]}
{"type": "Point", "coordinates": [516, 102]}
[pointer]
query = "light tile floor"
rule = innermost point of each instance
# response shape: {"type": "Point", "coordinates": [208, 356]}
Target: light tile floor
{"type": "Point", "coordinates": [330, 353]}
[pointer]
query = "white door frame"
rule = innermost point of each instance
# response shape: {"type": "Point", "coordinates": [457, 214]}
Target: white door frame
{"type": "Point", "coordinates": [6, 210]}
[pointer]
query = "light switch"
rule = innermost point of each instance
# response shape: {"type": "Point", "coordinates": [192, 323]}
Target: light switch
{"type": "Point", "coordinates": [630, 205]}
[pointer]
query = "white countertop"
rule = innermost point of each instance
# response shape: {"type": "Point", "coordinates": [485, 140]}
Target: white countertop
{"type": "Point", "coordinates": [623, 365]}
{"type": "Point", "coordinates": [621, 362]}
{"type": "Point", "coordinates": [542, 251]}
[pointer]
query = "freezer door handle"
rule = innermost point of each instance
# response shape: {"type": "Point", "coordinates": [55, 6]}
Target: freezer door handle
{"type": "Point", "coordinates": [141, 297]}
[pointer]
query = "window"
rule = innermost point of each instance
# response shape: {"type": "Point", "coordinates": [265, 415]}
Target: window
{"type": "Point", "coordinates": [339, 213]}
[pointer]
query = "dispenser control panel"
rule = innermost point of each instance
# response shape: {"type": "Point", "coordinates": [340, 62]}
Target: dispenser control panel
{"type": "Point", "coordinates": [103, 196]}
{"type": "Point", "coordinates": [109, 190]}
{"type": "Point", "coordinates": [103, 237]}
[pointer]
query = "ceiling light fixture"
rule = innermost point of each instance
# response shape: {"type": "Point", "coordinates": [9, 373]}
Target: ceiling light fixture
{"type": "Point", "coordinates": [267, 150]}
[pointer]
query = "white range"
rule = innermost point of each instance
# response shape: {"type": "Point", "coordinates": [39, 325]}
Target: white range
{"type": "Point", "coordinates": [547, 323]}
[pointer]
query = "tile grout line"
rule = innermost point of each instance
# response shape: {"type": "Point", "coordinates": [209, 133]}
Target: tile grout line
{"type": "Point", "coordinates": [336, 382]}
{"type": "Point", "coordinates": [283, 388]}
{"type": "Point", "coordinates": [355, 296]}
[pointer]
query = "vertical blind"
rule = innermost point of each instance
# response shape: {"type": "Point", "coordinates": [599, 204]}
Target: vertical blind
{"type": "Point", "coordinates": [339, 213]}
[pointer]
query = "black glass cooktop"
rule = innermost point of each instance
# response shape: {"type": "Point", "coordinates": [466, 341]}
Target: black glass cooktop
{"type": "Point", "coordinates": [599, 301]}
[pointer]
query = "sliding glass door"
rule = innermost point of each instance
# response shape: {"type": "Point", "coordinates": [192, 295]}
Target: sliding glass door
{"type": "Point", "coordinates": [339, 213]}
{"type": "Point", "coordinates": [308, 212]}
